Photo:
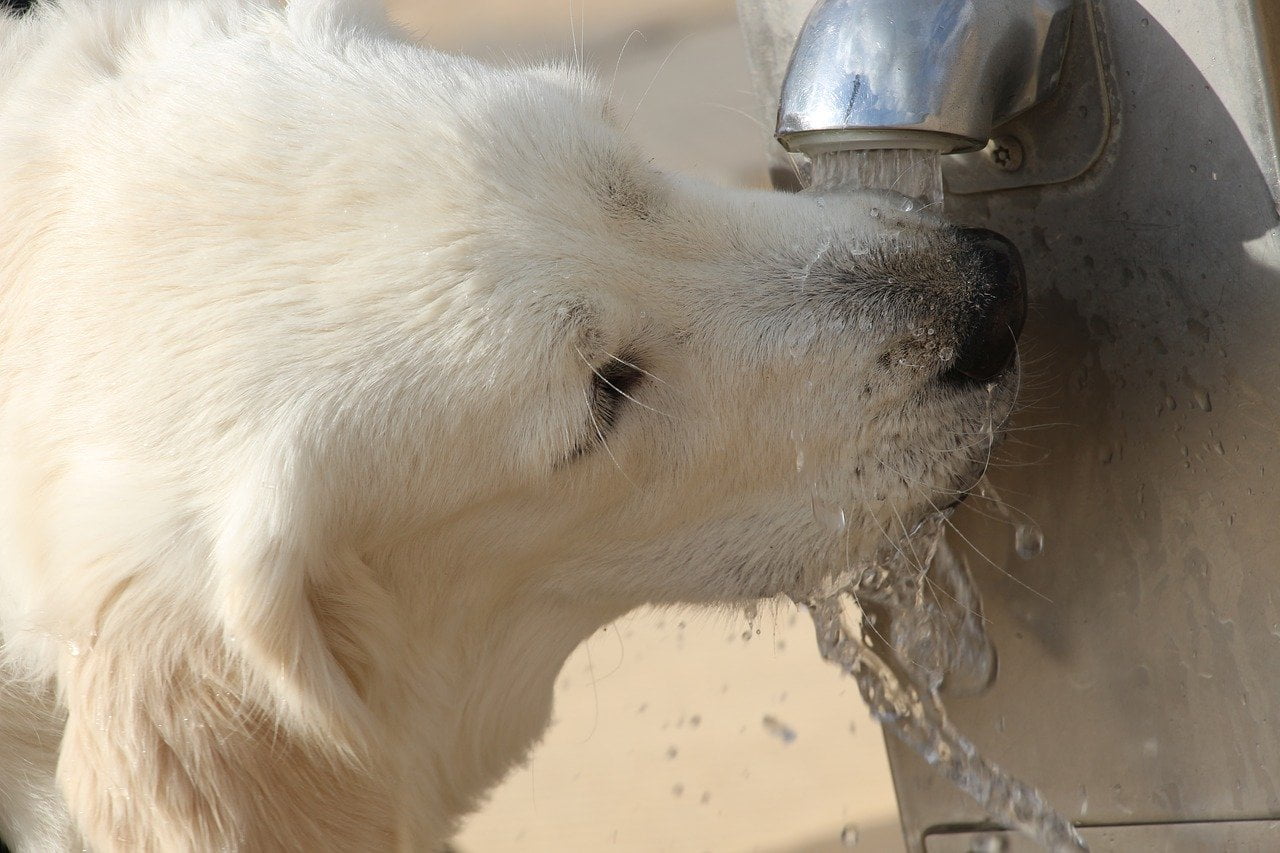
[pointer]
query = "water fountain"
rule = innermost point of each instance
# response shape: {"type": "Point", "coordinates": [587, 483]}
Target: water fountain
{"type": "Point", "coordinates": [1138, 672]}
{"type": "Point", "coordinates": [876, 91]}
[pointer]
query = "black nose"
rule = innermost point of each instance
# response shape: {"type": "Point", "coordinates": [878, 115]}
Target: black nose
{"type": "Point", "coordinates": [988, 343]}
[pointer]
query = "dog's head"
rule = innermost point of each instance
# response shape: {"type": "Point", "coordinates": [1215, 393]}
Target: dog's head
{"type": "Point", "coordinates": [642, 387]}
{"type": "Point", "coordinates": [352, 384]}
{"type": "Point", "coordinates": [451, 304]}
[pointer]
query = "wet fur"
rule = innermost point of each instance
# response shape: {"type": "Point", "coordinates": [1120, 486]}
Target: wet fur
{"type": "Point", "coordinates": [304, 498]}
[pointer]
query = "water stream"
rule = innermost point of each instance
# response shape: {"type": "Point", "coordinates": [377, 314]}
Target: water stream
{"type": "Point", "coordinates": [908, 625]}
{"type": "Point", "coordinates": [914, 174]}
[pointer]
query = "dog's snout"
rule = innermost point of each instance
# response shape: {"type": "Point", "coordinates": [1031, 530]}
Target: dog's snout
{"type": "Point", "coordinates": [988, 342]}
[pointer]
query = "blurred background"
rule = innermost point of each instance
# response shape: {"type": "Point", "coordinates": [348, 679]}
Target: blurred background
{"type": "Point", "coordinates": [678, 731]}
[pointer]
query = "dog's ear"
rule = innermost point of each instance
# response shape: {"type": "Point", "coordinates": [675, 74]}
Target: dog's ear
{"type": "Point", "coordinates": [296, 604]}
{"type": "Point", "coordinates": [234, 713]}
{"type": "Point", "coordinates": [169, 746]}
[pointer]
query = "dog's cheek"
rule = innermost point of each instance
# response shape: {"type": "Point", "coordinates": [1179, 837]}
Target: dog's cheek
{"type": "Point", "coordinates": [169, 745]}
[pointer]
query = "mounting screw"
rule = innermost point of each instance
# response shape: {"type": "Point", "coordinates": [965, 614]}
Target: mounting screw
{"type": "Point", "coordinates": [1005, 152]}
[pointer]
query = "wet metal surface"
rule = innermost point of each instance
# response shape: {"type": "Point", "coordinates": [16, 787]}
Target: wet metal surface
{"type": "Point", "coordinates": [1140, 683]}
{"type": "Point", "coordinates": [1253, 836]}
{"type": "Point", "coordinates": [918, 73]}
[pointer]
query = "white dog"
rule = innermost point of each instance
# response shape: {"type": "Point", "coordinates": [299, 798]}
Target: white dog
{"type": "Point", "coordinates": [345, 386]}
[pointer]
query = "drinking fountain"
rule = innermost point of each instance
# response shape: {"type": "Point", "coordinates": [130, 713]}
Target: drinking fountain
{"type": "Point", "coordinates": [1131, 148]}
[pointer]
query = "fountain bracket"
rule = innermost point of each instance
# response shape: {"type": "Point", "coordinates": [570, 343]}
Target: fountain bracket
{"type": "Point", "coordinates": [1061, 137]}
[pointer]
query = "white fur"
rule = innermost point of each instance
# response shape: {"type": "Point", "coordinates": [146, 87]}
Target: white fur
{"type": "Point", "coordinates": [302, 504]}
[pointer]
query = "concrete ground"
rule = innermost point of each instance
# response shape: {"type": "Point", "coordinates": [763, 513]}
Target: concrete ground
{"type": "Point", "coordinates": [678, 731]}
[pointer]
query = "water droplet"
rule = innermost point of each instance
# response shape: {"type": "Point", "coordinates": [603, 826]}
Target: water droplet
{"type": "Point", "coordinates": [74, 648]}
{"type": "Point", "coordinates": [989, 844]}
{"type": "Point", "coordinates": [946, 353]}
{"type": "Point", "coordinates": [1028, 541]}
{"type": "Point", "coordinates": [798, 440]}
{"type": "Point", "coordinates": [829, 515]}
{"type": "Point", "coordinates": [874, 213]}
{"type": "Point", "coordinates": [746, 636]}
{"type": "Point", "coordinates": [778, 729]}
{"type": "Point", "coordinates": [800, 335]}
{"type": "Point", "coordinates": [849, 835]}
{"type": "Point", "coordinates": [1203, 403]}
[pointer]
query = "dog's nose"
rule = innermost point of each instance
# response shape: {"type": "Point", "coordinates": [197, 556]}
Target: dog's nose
{"type": "Point", "coordinates": [988, 344]}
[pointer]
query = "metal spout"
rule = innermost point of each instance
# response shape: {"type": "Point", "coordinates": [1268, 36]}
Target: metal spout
{"type": "Point", "coordinates": [923, 74]}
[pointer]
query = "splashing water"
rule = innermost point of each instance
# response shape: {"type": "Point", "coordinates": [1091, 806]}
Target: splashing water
{"type": "Point", "coordinates": [1028, 541]}
{"type": "Point", "coordinates": [908, 625]}
{"type": "Point", "coordinates": [915, 174]}
{"type": "Point", "coordinates": [922, 632]}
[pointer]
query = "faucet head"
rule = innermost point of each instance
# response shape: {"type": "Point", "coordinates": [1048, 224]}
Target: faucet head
{"type": "Point", "coordinates": [931, 74]}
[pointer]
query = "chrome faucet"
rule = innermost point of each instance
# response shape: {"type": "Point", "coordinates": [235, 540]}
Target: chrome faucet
{"type": "Point", "coordinates": [922, 74]}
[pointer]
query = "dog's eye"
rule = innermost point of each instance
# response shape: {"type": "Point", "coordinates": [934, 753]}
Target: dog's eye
{"type": "Point", "coordinates": [612, 384]}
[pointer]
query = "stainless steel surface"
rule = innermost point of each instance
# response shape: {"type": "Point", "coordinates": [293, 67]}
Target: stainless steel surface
{"type": "Point", "coordinates": [1061, 137]}
{"type": "Point", "coordinates": [936, 74]}
{"type": "Point", "coordinates": [1140, 680]}
{"type": "Point", "coordinates": [1147, 688]}
{"type": "Point", "coordinates": [1250, 836]}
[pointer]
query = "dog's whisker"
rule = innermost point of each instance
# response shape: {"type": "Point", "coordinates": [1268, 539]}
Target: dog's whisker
{"type": "Point", "coordinates": [654, 79]}
{"type": "Point", "coordinates": [618, 64]}
{"type": "Point", "coordinates": [753, 119]}
{"type": "Point", "coordinates": [1001, 569]}
{"type": "Point", "coordinates": [953, 598]}
{"type": "Point", "coordinates": [1005, 508]}
{"type": "Point", "coordinates": [635, 367]}
{"type": "Point", "coordinates": [604, 444]}
{"type": "Point", "coordinates": [573, 37]}
{"type": "Point", "coordinates": [623, 393]}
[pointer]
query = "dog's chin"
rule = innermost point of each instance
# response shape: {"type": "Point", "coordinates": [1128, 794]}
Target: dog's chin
{"type": "Point", "coordinates": [828, 574]}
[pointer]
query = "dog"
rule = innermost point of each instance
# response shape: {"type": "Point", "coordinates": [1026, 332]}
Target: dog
{"type": "Point", "coordinates": [347, 385]}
